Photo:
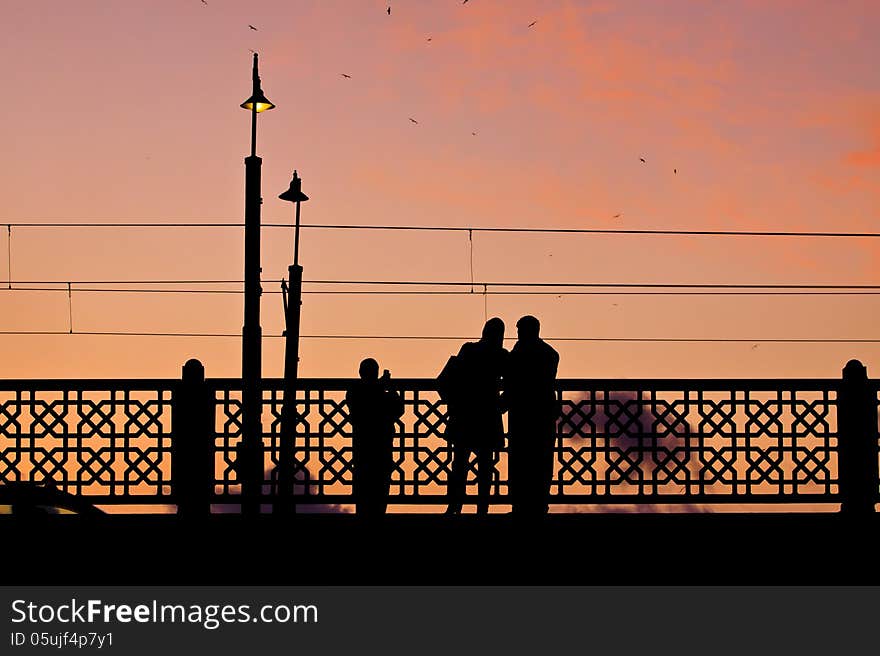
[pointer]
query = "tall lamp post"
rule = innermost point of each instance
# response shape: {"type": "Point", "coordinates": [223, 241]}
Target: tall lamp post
{"type": "Point", "coordinates": [286, 474]}
{"type": "Point", "coordinates": [250, 457]}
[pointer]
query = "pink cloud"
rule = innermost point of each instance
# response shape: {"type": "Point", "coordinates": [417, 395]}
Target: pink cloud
{"type": "Point", "coordinates": [870, 156]}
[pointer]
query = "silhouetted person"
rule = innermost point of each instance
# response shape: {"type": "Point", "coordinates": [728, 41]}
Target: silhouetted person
{"type": "Point", "coordinates": [472, 395]}
{"type": "Point", "coordinates": [530, 397]}
{"type": "Point", "coordinates": [373, 409]}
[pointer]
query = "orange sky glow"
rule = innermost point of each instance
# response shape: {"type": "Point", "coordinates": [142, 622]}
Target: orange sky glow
{"type": "Point", "coordinates": [129, 112]}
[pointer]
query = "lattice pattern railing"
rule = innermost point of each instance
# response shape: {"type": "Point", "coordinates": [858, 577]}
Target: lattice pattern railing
{"type": "Point", "coordinates": [699, 440]}
{"type": "Point", "coordinates": [634, 441]}
{"type": "Point", "coordinates": [104, 438]}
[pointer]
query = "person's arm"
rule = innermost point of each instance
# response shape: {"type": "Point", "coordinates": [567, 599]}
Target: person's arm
{"type": "Point", "coordinates": [557, 401]}
{"type": "Point", "coordinates": [351, 400]}
{"type": "Point", "coordinates": [396, 404]}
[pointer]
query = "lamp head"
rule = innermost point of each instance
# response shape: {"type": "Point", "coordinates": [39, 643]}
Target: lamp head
{"type": "Point", "coordinates": [262, 103]}
{"type": "Point", "coordinates": [294, 193]}
{"type": "Point", "coordinates": [257, 100]}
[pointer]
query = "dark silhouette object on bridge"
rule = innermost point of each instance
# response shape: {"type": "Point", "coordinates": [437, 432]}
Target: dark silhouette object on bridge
{"type": "Point", "coordinates": [373, 408]}
{"type": "Point", "coordinates": [33, 500]}
{"type": "Point", "coordinates": [192, 446]}
{"type": "Point", "coordinates": [470, 384]}
{"type": "Point", "coordinates": [530, 397]}
{"type": "Point", "coordinates": [857, 432]}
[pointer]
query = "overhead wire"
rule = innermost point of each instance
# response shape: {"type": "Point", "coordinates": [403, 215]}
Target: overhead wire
{"type": "Point", "coordinates": [689, 340]}
{"type": "Point", "coordinates": [470, 229]}
{"type": "Point", "coordinates": [484, 292]}
{"type": "Point", "coordinates": [558, 289]}
{"type": "Point", "coordinates": [493, 284]}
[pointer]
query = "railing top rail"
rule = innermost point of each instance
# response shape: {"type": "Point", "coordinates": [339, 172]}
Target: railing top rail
{"type": "Point", "coordinates": [621, 384]}
{"type": "Point", "coordinates": [88, 383]}
{"type": "Point", "coordinates": [616, 384]}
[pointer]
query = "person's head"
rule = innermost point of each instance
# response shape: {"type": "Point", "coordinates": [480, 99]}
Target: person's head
{"type": "Point", "coordinates": [493, 331]}
{"type": "Point", "coordinates": [369, 369]}
{"type": "Point", "coordinates": [528, 328]}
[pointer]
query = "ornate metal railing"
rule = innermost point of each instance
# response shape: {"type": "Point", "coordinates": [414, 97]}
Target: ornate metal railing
{"type": "Point", "coordinates": [619, 441]}
{"type": "Point", "coordinates": [106, 439]}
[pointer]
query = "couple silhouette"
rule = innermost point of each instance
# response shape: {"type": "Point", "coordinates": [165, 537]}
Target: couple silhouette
{"type": "Point", "coordinates": [478, 385]}
{"type": "Point", "coordinates": [481, 383]}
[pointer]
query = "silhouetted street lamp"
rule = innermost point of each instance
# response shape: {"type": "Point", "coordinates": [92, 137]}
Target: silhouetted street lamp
{"type": "Point", "coordinates": [255, 104]}
{"type": "Point", "coordinates": [286, 474]}
{"type": "Point", "coordinates": [250, 465]}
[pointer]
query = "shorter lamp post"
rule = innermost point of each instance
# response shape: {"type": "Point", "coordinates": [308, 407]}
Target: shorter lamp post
{"type": "Point", "coordinates": [286, 471]}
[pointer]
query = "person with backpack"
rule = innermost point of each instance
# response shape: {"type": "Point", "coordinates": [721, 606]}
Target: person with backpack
{"type": "Point", "coordinates": [470, 384]}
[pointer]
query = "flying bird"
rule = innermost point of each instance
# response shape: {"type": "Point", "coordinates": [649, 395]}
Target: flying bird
{"type": "Point", "coordinates": [617, 216]}
{"type": "Point", "coordinates": [464, 3]}
{"type": "Point", "coordinates": [414, 121]}
{"type": "Point", "coordinates": [429, 39]}
{"type": "Point", "coordinates": [474, 134]}
{"type": "Point", "coordinates": [252, 27]}
{"type": "Point", "coordinates": [675, 170]}
{"type": "Point", "coordinates": [389, 11]}
{"type": "Point", "coordinates": [345, 75]}
{"type": "Point", "coordinates": [642, 160]}
{"type": "Point", "coordinates": [532, 24]}
{"type": "Point", "coordinates": [204, 2]}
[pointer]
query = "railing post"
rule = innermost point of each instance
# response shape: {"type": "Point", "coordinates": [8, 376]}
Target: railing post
{"type": "Point", "coordinates": [857, 439]}
{"type": "Point", "coordinates": [192, 453]}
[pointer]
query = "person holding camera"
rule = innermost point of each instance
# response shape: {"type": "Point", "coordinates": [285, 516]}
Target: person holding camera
{"type": "Point", "coordinates": [373, 410]}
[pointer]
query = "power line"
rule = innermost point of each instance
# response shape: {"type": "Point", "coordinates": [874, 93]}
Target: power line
{"type": "Point", "coordinates": [9, 255]}
{"type": "Point", "coordinates": [70, 306]}
{"type": "Point", "coordinates": [689, 340]}
{"type": "Point", "coordinates": [429, 283]}
{"type": "Point", "coordinates": [598, 285]}
{"type": "Point", "coordinates": [135, 282]}
{"type": "Point", "coordinates": [427, 292]}
{"type": "Point", "coordinates": [471, 251]}
{"type": "Point", "coordinates": [591, 231]}
{"type": "Point", "coordinates": [469, 229]}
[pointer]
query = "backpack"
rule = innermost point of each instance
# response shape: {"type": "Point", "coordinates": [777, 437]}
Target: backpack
{"type": "Point", "coordinates": [449, 378]}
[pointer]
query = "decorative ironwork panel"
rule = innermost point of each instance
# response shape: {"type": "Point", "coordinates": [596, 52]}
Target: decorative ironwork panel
{"type": "Point", "coordinates": [734, 440]}
{"type": "Point", "coordinates": [106, 440]}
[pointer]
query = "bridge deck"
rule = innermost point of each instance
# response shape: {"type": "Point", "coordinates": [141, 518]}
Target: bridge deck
{"type": "Point", "coordinates": [334, 549]}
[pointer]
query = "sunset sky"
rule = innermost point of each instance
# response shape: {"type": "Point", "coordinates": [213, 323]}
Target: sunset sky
{"type": "Point", "coordinates": [129, 112]}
